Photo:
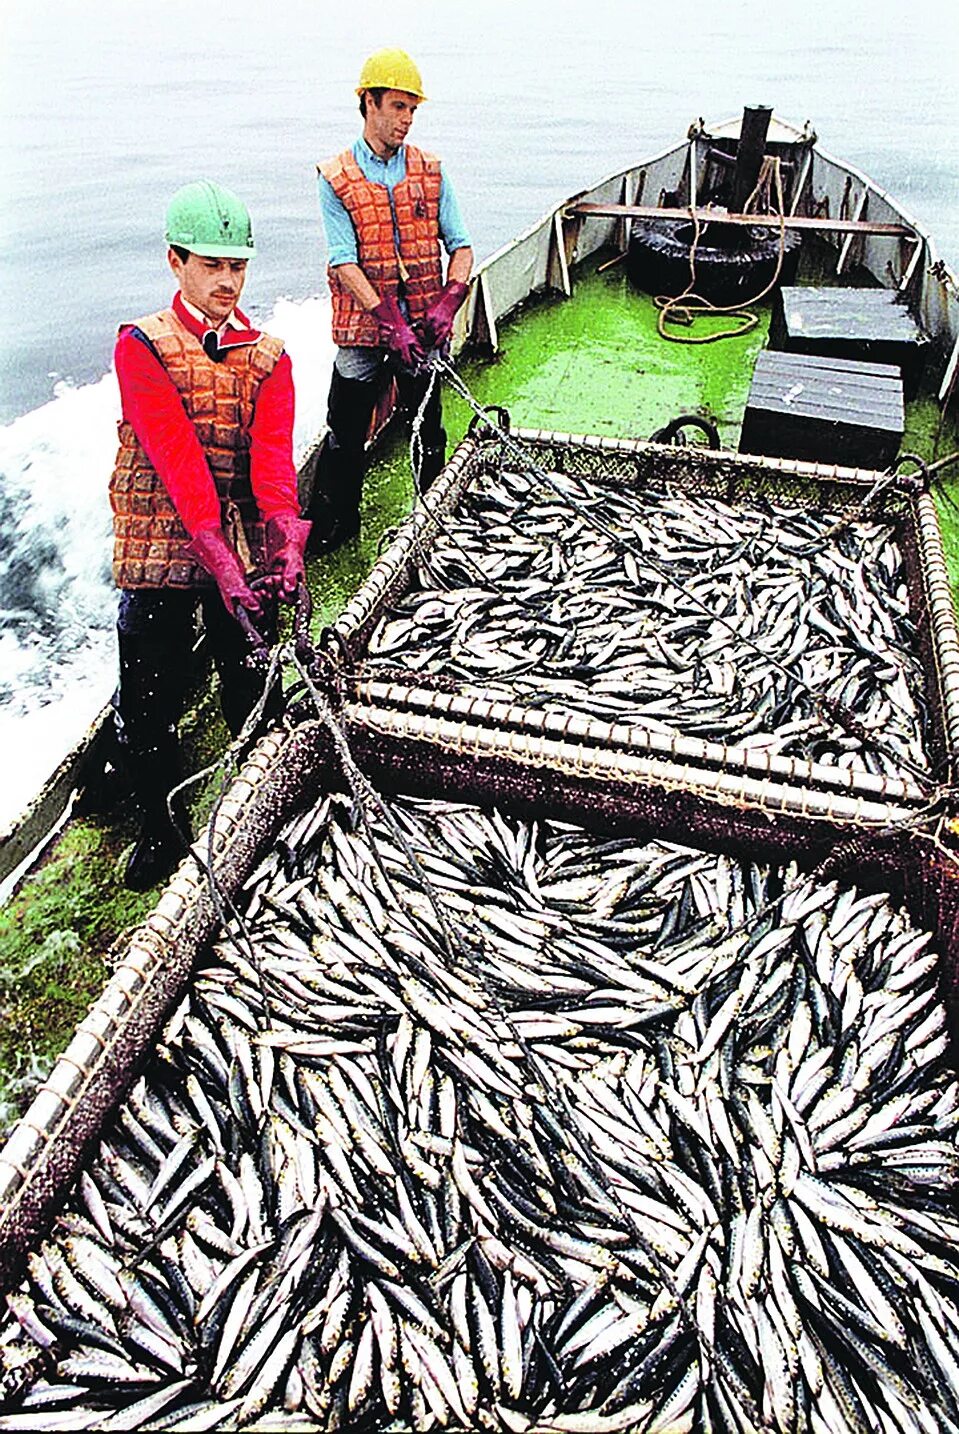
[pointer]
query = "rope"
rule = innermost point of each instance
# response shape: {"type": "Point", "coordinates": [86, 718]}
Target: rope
{"type": "Point", "coordinates": [684, 307]}
{"type": "Point", "coordinates": [365, 795]}
{"type": "Point", "coordinates": [362, 790]}
{"type": "Point", "coordinates": [225, 769]}
{"type": "Point", "coordinates": [417, 447]}
{"type": "Point", "coordinates": [544, 1093]}
{"type": "Point", "coordinates": [942, 463]}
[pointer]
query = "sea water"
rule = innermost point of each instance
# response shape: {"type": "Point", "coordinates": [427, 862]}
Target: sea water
{"type": "Point", "coordinates": [106, 107]}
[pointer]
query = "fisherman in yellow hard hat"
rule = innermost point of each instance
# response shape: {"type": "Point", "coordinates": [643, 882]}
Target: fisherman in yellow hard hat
{"type": "Point", "coordinates": [386, 208]}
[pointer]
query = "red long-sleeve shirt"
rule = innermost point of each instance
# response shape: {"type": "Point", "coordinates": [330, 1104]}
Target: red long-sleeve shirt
{"type": "Point", "coordinates": [153, 407]}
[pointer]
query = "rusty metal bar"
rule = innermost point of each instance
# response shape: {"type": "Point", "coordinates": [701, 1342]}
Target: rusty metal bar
{"type": "Point", "coordinates": [768, 221]}
{"type": "Point", "coordinates": [749, 152]}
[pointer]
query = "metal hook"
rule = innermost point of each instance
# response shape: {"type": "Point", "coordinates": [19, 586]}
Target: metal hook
{"type": "Point", "coordinates": [920, 481]}
{"type": "Point", "coordinates": [259, 655]}
{"type": "Point", "coordinates": [302, 617]}
{"type": "Point", "coordinates": [502, 424]}
{"type": "Point", "coordinates": [672, 431]}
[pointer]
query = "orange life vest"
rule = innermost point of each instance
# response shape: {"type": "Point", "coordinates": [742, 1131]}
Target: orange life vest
{"type": "Point", "coordinates": [149, 537]}
{"type": "Point", "coordinates": [416, 271]}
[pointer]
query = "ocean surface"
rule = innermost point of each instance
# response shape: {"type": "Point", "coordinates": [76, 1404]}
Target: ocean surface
{"type": "Point", "coordinates": [106, 107]}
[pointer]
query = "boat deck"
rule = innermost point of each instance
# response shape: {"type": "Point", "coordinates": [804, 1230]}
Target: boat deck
{"type": "Point", "coordinates": [592, 363]}
{"type": "Point", "coordinates": [595, 363]}
{"type": "Point", "coordinates": [337, 935]}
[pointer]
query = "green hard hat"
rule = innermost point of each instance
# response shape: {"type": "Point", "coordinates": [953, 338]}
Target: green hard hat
{"type": "Point", "coordinates": [208, 219]}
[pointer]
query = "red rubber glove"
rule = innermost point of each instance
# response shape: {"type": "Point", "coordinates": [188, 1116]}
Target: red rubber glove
{"type": "Point", "coordinates": [286, 536]}
{"type": "Point", "coordinates": [213, 552]}
{"type": "Point", "coordinates": [438, 323]}
{"type": "Point", "coordinates": [397, 334]}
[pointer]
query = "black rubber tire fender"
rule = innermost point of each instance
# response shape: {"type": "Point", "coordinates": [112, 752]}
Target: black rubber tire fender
{"type": "Point", "coordinates": [657, 261]}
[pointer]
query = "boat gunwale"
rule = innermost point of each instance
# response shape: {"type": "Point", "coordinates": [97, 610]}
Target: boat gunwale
{"type": "Point", "coordinates": [43, 1151]}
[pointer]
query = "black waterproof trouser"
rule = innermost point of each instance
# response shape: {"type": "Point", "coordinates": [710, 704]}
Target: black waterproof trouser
{"type": "Point", "coordinates": [335, 505]}
{"type": "Point", "coordinates": [156, 631]}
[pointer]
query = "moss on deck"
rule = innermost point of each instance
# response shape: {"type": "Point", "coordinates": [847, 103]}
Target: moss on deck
{"type": "Point", "coordinates": [595, 364]}
{"type": "Point", "coordinates": [54, 936]}
{"type": "Point", "coordinates": [592, 364]}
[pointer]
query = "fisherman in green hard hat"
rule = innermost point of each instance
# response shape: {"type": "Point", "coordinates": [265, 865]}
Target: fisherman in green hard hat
{"type": "Point", "coordinates": [204, 496]}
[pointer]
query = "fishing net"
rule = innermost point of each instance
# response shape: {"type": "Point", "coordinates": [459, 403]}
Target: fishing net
{"type": "Point", "coordinates": [801, 619]}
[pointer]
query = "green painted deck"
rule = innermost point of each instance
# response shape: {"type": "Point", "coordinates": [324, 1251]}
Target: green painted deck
{"type": "Point", "coordinates": [593, 363]}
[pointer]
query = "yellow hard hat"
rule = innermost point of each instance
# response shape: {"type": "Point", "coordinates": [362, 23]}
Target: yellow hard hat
{"type": "Point", "coordinates": [391, 70]}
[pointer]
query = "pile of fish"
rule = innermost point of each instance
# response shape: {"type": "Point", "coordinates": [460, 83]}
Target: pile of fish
{"type": "Point", "coordinates": [469, 1122]}
{"type": "Point", "coordinates": [727, 623]}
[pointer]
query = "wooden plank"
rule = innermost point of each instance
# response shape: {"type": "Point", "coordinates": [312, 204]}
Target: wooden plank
{"type": "Point", "coordinates": [910, 268]}
{"type": "Point", "coordinates": [801, 183]}
{"type": "Point", "coordinates": [857, 218]}
{"type": "Point", "coordinates": [949, 377]}
{"type": "Point", "coordinates": [556, 266]}
{"type": "Point", "coordinates": [873, 315]}
{"type": "Point", "coordinates": [718, 216]}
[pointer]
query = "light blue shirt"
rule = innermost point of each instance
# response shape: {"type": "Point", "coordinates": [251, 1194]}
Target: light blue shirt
{"type": "Point", "coordinates": [341, 242]}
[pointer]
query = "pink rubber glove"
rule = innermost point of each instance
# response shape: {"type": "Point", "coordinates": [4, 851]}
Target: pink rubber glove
{"type": "Point", "coordinates": [438, 323]}
{"type": "Point", "coordinates": [213, 552]}
{"type": "Point", "coordinates": [397, 334]}
{"type": "Point", "coordinates": [286, 536]}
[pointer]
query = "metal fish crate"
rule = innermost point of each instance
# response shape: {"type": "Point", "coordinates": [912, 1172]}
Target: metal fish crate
{"type": "Point", "coordinates": [493, 737]}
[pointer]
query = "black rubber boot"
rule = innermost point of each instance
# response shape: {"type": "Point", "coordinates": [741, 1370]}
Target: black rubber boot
{"type": "Point", "coordinates": [434, 458]}
{"type": "Point", "coordinates": [335, 515]}
{"type": "Point", "coordinates": [102, 783]}
{"type": "Point", "coordinates": [155, 635]}
{"type": "Point", "coordinates": [334, 508]}
{"type": "Point", "coordinates": [241, 686]}
{"type": "Point", "coordinates": [163, 840]}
